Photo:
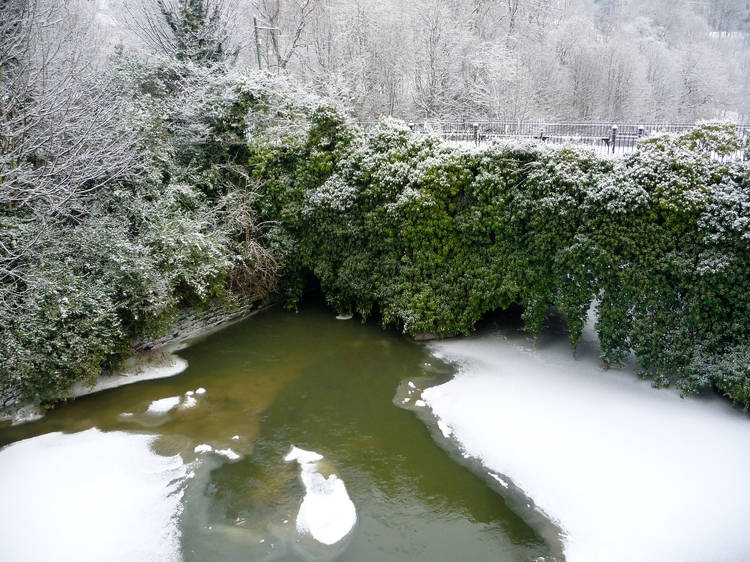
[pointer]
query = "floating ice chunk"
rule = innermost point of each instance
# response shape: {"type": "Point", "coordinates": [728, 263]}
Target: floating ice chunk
{"type": "Point", "coordinates": [190, 402]}
{"type": "Point", "coordinates": [203, 448]}
{"type": "Point", "coordinates": [327, 513]}
{"type": "Point", "coordinates": [126, 415]}
{"type": "Point", "coordinates": [228, 453]}
{"type": "Point", "coordinates": [344, 317]}
{"type": "Point", "coordinates": [411, 385]}
{"type": "Point", "coordinates": [189, 393]}
{"type": "Point", "coordinates": [419, 404]}
{"type": "Point", "coordinates": [302, 456]}
{"type": "Point", "coordinates": [163, 406]}
{"type": "Point", "coordinates": [105, 489]}
{"type": "Point", "coordinates": [445, 429]}
{"type": "Point", "coordinates": [200, 390]}
{"type": "Point", "coordinates": [235, 437]}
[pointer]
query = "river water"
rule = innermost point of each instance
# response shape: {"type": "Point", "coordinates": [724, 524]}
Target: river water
{"type": "Point", "coordinates": [343, 390]}
{"type": "Point", "coordinates": [293, 437]}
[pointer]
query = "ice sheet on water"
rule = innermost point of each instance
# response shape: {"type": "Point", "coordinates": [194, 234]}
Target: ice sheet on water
{"type": "Point", "coordinates": [109, 497]}
{"type": "Point", "coordinates": [629, 472]}
{"type": "Point", "coordinates": [228, 453]}
{"type": "Point", "coordinates": [327, 513]}
{"type": "Point", "coordinates": [189, 402]}
{"type": "Point", "coordinates": [163, 406]}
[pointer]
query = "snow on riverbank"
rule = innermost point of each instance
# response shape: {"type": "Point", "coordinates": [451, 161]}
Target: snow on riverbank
{"type": "Point", "coordinates": [326, 512]}
{"type": "Point", "coordinates": [89, 496]}
{"type": "Point", "coordinates": [156, 365]}
{"type": "Point", "coordinates": [627, 471]}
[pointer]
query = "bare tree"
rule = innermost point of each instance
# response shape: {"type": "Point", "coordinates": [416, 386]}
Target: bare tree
{"type": "Point", "coordinates": [286, 22]}
{"type": "Point", "coordinates": [60, 138]}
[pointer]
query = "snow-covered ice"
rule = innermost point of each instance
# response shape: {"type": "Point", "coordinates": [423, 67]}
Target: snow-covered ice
{"type": "Point", "coordinates": [627, 471]}
{"type": "Point", "coordinates": [203, 448]}
{"type": "Point", "coordinates": [200, 390]}
{"type": "Point", "coordinates": [87, 497]}
{"type": "Point", "coordinates": [189, 402]}
{"type": "Point", "coordinates": [327, 513]}
{"type": "Point", "coordinates": [163, 406]}
{"type": "Point", "coordinates": [444, 428]}
{"type": "Point", "coordinates": [228, 453]}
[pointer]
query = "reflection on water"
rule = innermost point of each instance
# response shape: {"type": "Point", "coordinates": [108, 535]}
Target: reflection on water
{"type": "Point", "coordinates": [324, 385]}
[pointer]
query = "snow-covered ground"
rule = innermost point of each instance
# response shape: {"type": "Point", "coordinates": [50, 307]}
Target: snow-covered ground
{"type": "Point", "coordinates": [89, 496]}
{"type": "Point", "coordinates": [156, 365]}
{"type": "Point", "coordinates": [630, 473]}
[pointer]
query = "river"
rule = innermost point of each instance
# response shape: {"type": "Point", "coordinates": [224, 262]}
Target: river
{"type": "Point", "coordinates": [296, 437]}
{"type": "Point", "coordinates": [135, 487]}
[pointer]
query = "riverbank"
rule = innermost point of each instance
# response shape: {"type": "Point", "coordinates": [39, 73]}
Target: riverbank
{"type": "Point", "coordinates": [152, 358]}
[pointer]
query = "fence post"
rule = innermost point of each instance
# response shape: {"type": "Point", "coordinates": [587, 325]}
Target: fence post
{"type": "Point", "coordinates": [640, 131]}
{"type": "Point", "coordinates": [411, 126]}
{"type": "Point", "coordinates": [614, 137]}
{"type": "Point", "coordinates": [476, 133]}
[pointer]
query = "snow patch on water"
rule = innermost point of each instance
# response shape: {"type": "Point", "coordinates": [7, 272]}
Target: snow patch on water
{"type": "Point", "coordinates": [228, 453]}
{"type": "Point", "coordinates": [87, 497]}
{"type": "Point", "coordinates": [163, 406]}
{"type": "Point", "coordinates": [190, 402]}
{"type": "Point", "coordinates": [203, 448]}
{"type": "Point", "coordinates": [627, 471]}
{"type": "Point", "coordinates": [200, 390]}
{"type": "Point", "coordinates": [327, 513]}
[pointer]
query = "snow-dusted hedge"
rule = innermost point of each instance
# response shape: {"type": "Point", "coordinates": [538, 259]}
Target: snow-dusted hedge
{"type": "Point", "coordinates": [176, 228]}
{"type": "Point", "coordinates": [433, 237]}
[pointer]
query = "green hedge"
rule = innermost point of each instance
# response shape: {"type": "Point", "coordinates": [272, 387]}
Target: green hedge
{"type": "Point", "coordinates": [432, 237]}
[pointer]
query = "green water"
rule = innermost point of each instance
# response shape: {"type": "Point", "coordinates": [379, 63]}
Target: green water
{"type": "Point", "coordinates": [329, 386]}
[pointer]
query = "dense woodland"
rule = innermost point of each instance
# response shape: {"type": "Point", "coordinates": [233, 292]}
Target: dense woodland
{"type": "Point", "coordinates": [569, 60]}
{"type": "Point", "coordinates": [168, 175]}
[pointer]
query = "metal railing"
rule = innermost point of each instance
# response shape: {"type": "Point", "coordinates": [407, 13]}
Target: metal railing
{"type": "Point", "coordinates": [614, 138]}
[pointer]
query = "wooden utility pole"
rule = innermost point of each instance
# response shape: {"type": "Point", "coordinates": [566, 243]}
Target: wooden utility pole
{"type": "Point", "coordinates": [257, 39]}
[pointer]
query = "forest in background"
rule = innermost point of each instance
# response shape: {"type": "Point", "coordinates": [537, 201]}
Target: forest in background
{"type": "Point", "coordinates": [553, 60]}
